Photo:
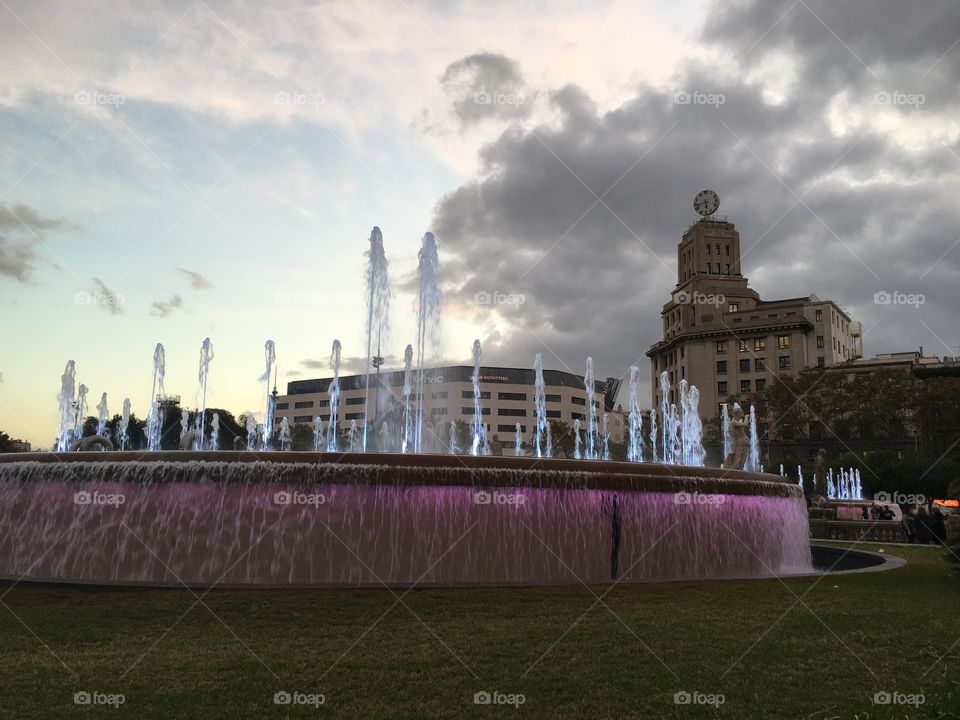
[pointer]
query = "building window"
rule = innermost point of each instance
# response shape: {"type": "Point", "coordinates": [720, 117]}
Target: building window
{"type": "Point", "coordinates": [722, 387]}
{"type": "Point", "coordinates": [728, 268]}
{"type": "Point", "coordinates": [761, 385]}
{"type": "Point", "coordinates": [818, 315]}
{"type": "Point", "coordinates": [721, 346]}
{"type": "Point", "coordinates": [301, 419]}
{"type": "Point", "coordinates": [469, 411]}
{"type": "Point", "coordinates": [578, 400]}
{"type": "Point", "coordinates": [708, 249]}
{"type": "Point", "coordinates": [744, 346]}
{"type": "Point", "coordinates": [513, 412]}
{"type": "Point", "coordinates": [442, 395]}
{"type": "Point", "coordinates": [820, 362]}
{"type": "Point", "coordinates": [759, 344]}
{"type": "Point", "coordinates": [438, 411]}
{"type": "Point", "coordinates": [745, 365]}
{"type": "Point", "coordinates": [727, 250]}
{"type": "Point", "coordinates": [511, 428]}
{"type": "Point", "coordinates": [819, 341]}
{"type": "Point", "coordinates": [551, 398]}
{"type": "Point", "coordinates": [784, 362]}
{"type": "Point", "coordinates": [576, 416]}
{"type": "Point", "coordinates": [759, 364]}
{"type": "Point", "coordinates": [721, 367]}
{"type": "Point", "coordinates": [355, 401]}
{"type": "Point", "coordinates": [354, 416]}
{"type": "Point", "coordinates": [324, 403]}
{"type": "Point", "coordinates": [553, 414]}
{"type": "Point", "coordinates": [303, 404]}
{"type": "Point", "coordinates": [511, 396]}
{"type": "Point", "coordinates": [468, 394]}
{"type": "Point", "coordinates": [744, 386]}
{"type": "Point", "coordinates": [733, 307]}
{"type": "Point", "coordinates": [783, 342]}
{"type": "Point", "coordinates": [282, 406]}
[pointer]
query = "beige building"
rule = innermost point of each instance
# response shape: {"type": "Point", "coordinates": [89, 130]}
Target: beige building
{"type": "Point", "coordinates": [507, 398]}
{"type": "Point", "coordinates": [719, 335]}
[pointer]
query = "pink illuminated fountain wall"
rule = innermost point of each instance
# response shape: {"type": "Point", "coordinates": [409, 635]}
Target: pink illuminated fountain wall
{"type": "Point", "coordinates": [309, 519]}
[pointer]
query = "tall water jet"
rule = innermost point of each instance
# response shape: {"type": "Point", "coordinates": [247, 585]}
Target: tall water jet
{"type": "Point", "coordinates": [334, 391]}
{"type": "Point", "coordinates": [66, 399]}
{"type": "Point", "coordinates": [665, 447]}
{"type": "Point", "coordinates": [591, 433]}
{"type": "Point", "coordinates": [518, 442]}
{"type": "Point", "coordinates": [540, 406]}
{"type": "Point", "coordinates": [270, 357]}
{"type": "Point", "coordinates": [605, 433]}
{"type": "Point", "coordinates": [635, 419]}
{"type": "Point", "coordinates": [549, 441]}
{"type": "Point", "coordinates": [799, 476]}
{"type": "Point", "coordinates": [577, 442]}
{"type": "Point", "coordinates": [452, 448]}
{"type": "Point", "coordinates": [693, 452]}
{"type": "Point", "coordinates": [754, 461]}
{"type": "Point", "coordinates": [81, 412]}
{"type": "Point", "coordinates": [154, 414]}
{"type": "Point", "coordinates": [317, 434]}
{"type": "Point", "coordinates": [215, 431]}
{"type": "Point", "coordinates": [122, 434]}
{"type": "Point", "coordinates": [354, 439]}
{"type": "Point", "coordinates": [102, 415]}
{"type": "Point", "coordinates": [250, 423]}
{"type": "Point", "coordinates": [428, 321]}
{"type": "Point", "coordinates": [727, 431]}
{"type": "Point", "coordinates": [206, 355]}
{"type": "Point", "coordinates": [284, 433]}
{"type": "Point", "coordinates": [378, 310]}
{"type": "Point", "coordinates": [653, 435]}
{"type": "Point", "coordinates": [407, 439]}
{"type": "Point", "coordinates": [479, 431]}
{"type": "Point", "coordinates": [184, 423]}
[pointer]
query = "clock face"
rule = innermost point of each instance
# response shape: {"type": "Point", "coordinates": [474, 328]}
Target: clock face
{"type": "Point", "coordinates": [706, 202]}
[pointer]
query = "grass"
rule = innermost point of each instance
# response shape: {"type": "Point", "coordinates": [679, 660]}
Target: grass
{"type": "Point", "coordinates": [751, 641]}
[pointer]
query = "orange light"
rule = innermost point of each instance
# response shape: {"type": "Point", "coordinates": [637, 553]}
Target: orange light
{"type": "Point", "coordinates": [950, 503]}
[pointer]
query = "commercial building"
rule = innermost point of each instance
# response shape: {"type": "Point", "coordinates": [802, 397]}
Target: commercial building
{"type": "Point", "coordinates": [719, 335]}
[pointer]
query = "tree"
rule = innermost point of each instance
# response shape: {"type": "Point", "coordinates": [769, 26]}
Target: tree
{"type": "Point", "coordinates": [6, 443]}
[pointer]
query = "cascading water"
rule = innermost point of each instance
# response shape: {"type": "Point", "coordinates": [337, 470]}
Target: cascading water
{"type": "Point", "coordinates": [799, 476]}
{"type": "Point", "coordinates": [378, 313]}
{"type": "Point", "coordinates": [540, 407]}
{"type": "Point", "coordinates": [215, 432]}
{"type": "Point", "coordinates": [407, 439]}
{"type": "Point", "coordinates": [270, 356]}
{"type": "Point", "coordinates": [317, 434]}
{"type": "Point", "coordinates": [518, 442]}
{"type": "Point", "coordinates": [428, 321]}
{"type": "Point", "coordinates": [284, 433]}
{"type": "Point", "coordinates": [452, 448]}
{"type": "Point", "coordinates": [754, 459]}
{"type": "Point", "coordinates": [549, 441]}
{"type": "Point", "coordinates": [250, 423]}
{"type": "Point", "coordinates": [653, 436]}
{"type": "Point", "coordinates": [122, 436]}
{"type": "Point", "coordinates": [666, 455]}
{"type": "Point", "coordinates": [184, 423]}
{"type": "Point", "coordinates": [334, 392]}
{"type": "Point", "coordinates": [154, 414]}
{"type": "Point", "coordinates": [727, 431]}
{"type": "Point", "coordinates": [635, 419]}
{"type": "Point", "coordinates": [479, 430]}
{"type": "Point", "coordinates": [206, 355]}
{"type": "Point", "coordinates": [591, 432]}
{"type": "Point", "coordinates": [693, 452]}
{"type": "Point", "coordinates": [577, 451]}
{"type": "Point", "coordinates": [66, 399]}
{"type": "Point", "coordinates": [354, 439]}
{"type": "Point", "coordinates": [102, 416]}
{"type": "Point", "coordinates": [605, 432]}
{"type": "Point", "coordinates": [81, 413]}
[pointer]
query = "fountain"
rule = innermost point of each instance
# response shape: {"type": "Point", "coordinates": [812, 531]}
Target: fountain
{"type": "Point", "coordinates": [605, 434]}
{"type": "Point", "coordinates": [726, 430]}
{"type": "Point", "coordinates": [635, 419]}
{"type": "Point", "coordinates": [215, 432]}
{"type": "Point", "coordinates": [284, 433]}
{"type": "Point", "coordinates": [334, 391]}
{"type": "Point", "coordinates": [479, 445]}
{"type": "Point", "coordinates": [452, 448]}
{"type": "Point", "coordinates": [753, 462]}
{"type": "Point", "coordinates": [539, 407]}
{"type": "Point", "coordinates": [428, 321]}
{"type": "Point", "coordinates": [407, 439]}
{"type": "Point", "coordinates": [318, 434]}
{"type": "Point", "coordinates": [577, 443]}
{"type": "Point", "coordinates": [591, 433]}
{"type": "Point", "coordinates": [206, 355]}
{"type": "Point", "coordinates": [270, 355]}
{"type": "Point", "coordinates": [154, 415]}
{"type": "Point", "coordinates": [103, 414]}
{"type": "Point", "coordinates": [122, 436]}
{"type": "Point", "coordinates": [66, 399]}
{"type": "Point", "coordinates": [653, 436]}
{"type": "Point", "coordinates": [250, 424]}
{"type": "Point", "coordinates": [353, 437]}
{"type": "Point", "coordinates": [79, 414]}
{"type": "Point", "coordinates": [378, 309]}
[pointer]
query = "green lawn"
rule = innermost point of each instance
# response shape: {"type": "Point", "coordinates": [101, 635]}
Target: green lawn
{"type": "Point", "coordinates": [750, 641]}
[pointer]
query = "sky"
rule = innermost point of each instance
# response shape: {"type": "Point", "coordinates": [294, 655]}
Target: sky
{"type": "Point", "coordinates": [184, 170]}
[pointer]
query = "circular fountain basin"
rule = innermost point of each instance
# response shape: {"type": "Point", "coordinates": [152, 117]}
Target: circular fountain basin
{"type": "Point", "coordinates": [297, 519]}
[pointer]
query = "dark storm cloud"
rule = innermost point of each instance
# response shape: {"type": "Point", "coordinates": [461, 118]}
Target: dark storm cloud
{"type": "Point", "coordinates": [486, 85]}
{"type": "Point", "coordinates": [162, 308]}
{"type": "Point", "coordinates": [582, 218]}
{"type": "Point", "coordinates": [21, 229]}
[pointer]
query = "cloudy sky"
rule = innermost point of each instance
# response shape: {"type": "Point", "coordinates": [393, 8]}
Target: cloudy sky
{"type": "Point", "coordinates": [177, 170]}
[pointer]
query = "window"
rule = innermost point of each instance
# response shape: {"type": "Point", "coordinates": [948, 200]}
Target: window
{"type": "Point", "coordinates": [578, 400]}
{"type": "Point", "coordinates": [324, 403]}
{"type": "Point", "coordinates": [551, 398]}
{"type": "Point", "coordinates": [721, 346]}
{"type": "Point", "coordinates": [727, 250]}
{"type": "Point", "coordinates": [355, 401]}
{"type": "Point", "coordinates": [468, 394]}
{"type": "Point", "coordinates": [744, 386]}
{"type": "Point", "coordinates": [513, 412]}
{"type": "Point", "coordinates": [745, 365]}
{"type": "Point", "coordinates": [438, 411]}
{"type": "Point", "coordinates": [511, 396]}
{"type": "Point", "coordinates": [733, 307]}
{"type": "Point", "coordinates": [576, 416]}
{"type": "Point", "coordinates": [783, 342]}
{"type": "Point", "coordinates": [301, 418]}
{"type": "Point", "coordinates": [722, 387]}
{"type": "Point", "coordinates": [511, 428]}
{"type": "Point", "coordinates": [759, 344]}
{"type": "Point", "coordinates": [354, 416]}
{"type": "Point", "coordinates": [744, 346]}
{"type": "Point", "coordinates": [469, 411]}
{"type": "Point", "coordinates": [819, 341]}
{"type": "Point", "coordinates": [784, 362]}
{"type": "Point", "coordinates": [708, 249]}
{"type": "Point", "coordinates": [303, 404]}
{"type": "Point", "coordinates": [442, 395]}
{"type": "Point", "coordinates": [282, 406]}
{"type": "Point", "coordinates": [553, 414]}
{"type": "Point", "coordinates": [728, 268]}
{"type": "Point", "coordinates": [819, 315]}
{"type": "Point", "coordinates": [325, 418]}
{"type": "Point", "coordinates": [820, 362]}
{"type": "Point", "coordinates": [761, 384]}
{"type": "Point", "coordinates": [759, 364]}
{"type": "Point", "coordinates": [721, 367]}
